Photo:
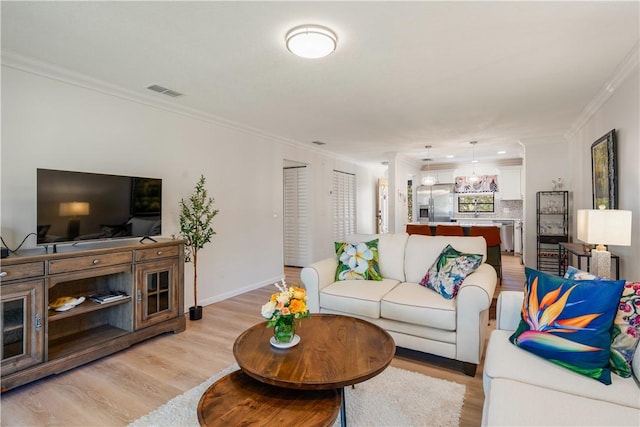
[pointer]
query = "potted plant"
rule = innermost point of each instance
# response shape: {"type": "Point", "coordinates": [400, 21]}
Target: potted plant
{"type": "Point", "coordinates": [196, 215]}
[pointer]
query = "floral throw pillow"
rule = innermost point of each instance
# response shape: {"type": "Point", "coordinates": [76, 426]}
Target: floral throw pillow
{"type": "Point", "coordinates": [568, 322]}
{"type": "Point", "coordinates": [357, 261]}
{"type": "Point", "coordinates": [448, 271]}
{"type": "Point", "coordinates": [625, 333]}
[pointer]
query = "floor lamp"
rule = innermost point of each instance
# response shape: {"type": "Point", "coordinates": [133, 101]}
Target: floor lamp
{"type": "Point", "coordinates": [604, 227]}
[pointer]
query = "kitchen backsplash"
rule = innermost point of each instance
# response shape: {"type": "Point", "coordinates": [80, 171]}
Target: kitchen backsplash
{"type": "Point", "coordinates": [502, 209]}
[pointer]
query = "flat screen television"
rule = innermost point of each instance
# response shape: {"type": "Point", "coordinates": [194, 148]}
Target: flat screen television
{"type": "Point", "coordinates": [78, 206]}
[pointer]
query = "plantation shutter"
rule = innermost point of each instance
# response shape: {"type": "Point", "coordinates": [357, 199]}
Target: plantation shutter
{"type": "Point", "coordinates": [344, 205]}
{"type": "Point", "coordinates": [296, 217]}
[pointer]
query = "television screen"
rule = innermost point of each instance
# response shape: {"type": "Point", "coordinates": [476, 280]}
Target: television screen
{"type": "Point", "coordinates": [76, 206]}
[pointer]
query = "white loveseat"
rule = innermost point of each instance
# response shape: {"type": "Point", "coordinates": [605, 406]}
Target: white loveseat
{"type": "Point", "coordinates": [524, 389]}
{"type": "Point", "coordinates": [415, 316]}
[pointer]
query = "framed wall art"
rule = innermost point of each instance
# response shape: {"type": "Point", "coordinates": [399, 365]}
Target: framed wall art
{"type": "Point", "coordinates": [603, 171]}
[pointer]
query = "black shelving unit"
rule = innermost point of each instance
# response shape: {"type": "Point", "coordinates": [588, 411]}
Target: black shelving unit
{"type": "Point", "coordinates": [552, 225]}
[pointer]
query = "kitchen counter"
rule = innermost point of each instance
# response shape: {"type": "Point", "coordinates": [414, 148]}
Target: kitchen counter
{"type": "Point", "coordinates": [497, 219]}
{"type": "Point", "coordinates": [435, 224]}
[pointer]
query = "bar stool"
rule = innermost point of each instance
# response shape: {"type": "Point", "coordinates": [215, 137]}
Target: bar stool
{"type": "Point", "coordinates": [492, 236]}
{"type": "Point", "coordinates": [423, 229]}
{"type": "Point", "coordinates": [449, 230]}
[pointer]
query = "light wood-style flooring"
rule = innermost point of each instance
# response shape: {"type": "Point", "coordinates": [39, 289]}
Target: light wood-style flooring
{"type": "Point", "coordinates": [120, 388]}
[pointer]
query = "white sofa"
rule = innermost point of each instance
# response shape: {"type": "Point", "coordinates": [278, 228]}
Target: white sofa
{"type": "Point", "coordinates": [415, 316]}
{"type": "Point", "coordinates": [524, 389]}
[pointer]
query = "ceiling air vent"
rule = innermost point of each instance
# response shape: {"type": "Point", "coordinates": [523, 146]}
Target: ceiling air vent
{"type": "Point", "coordinates": [164, 91]}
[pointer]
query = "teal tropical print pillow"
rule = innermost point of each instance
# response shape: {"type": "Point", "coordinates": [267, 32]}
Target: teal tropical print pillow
{"type": "Point", "coordinates": [568, 322]}
{"type": "Point", "coordinates": [625, 333]}
{"type": "Point", "coordinates": [357, 261]}
{"type": "Point", "coordinates": [448, 271]}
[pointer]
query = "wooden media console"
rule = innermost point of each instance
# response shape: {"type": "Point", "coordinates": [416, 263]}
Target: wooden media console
{"type": "Point", "coordinates": [38, 341]}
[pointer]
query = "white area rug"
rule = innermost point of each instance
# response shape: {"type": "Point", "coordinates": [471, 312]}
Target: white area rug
{"type": "Point", "coordinates": [396, 397]}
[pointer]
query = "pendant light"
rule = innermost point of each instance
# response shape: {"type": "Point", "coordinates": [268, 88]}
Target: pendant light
{"type": "Point", "coordinates": [473, 177]}
{"type": "Point", "coordinates": [429, 179]}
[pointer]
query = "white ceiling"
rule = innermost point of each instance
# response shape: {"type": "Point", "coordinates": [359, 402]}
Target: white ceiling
{"type": "Point", "coordinates": [404, 75]}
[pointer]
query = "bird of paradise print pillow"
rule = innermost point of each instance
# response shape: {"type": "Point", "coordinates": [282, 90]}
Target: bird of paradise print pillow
{"type": "Point", "coordinates": [357, 261]}
{"type": "Point", "coordinates": [568, 322]}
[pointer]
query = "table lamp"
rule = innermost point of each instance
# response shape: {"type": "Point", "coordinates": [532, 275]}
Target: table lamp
{"type": "Point", "coordinates": [604, 227]}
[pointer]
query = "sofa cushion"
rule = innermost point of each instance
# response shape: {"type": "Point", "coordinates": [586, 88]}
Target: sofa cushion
{"type": "Point", "coordinates": [504, 360]}
{"type": "Point", "coordinates": [422, 252]}
{"type": "Point", "coordinates": [357, 261]}
{"type": "Point", "coordinates": [413, 303]}
{"type": "Point", "coordinates": [513, 403]}
{"type": "Point", "coordinates": [569, 322]}
{"type": "Point", "coordinates": [391, 247]}
{"type": "Point", "coordinates": [358, 297]}
{"type": "Point", "coordinates": [449, 270]}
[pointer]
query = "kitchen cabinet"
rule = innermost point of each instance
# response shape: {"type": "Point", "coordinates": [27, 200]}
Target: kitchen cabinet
{"type": "Point", "coordinates": [509, 184]}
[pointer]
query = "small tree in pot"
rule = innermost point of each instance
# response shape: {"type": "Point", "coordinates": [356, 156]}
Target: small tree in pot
{"type": "Point", "coordinates": [196, 215]}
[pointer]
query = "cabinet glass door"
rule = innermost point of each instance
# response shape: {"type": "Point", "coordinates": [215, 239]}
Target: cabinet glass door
{"type": "Point", "coordinates": [156, 293]}
{"type": "Point", "coordinates": [21, 324]}
{"type": "Point", "coordinates": [13, 323]}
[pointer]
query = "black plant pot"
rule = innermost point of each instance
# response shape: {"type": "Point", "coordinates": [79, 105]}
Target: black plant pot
{"type": "Point", "coordinates": [195, 313]}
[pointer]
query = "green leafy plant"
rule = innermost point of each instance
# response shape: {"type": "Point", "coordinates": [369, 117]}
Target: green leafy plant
{"type": "Point", "coordinates": [196, 216]}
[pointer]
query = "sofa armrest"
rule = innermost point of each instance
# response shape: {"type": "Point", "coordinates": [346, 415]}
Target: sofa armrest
{"type": "Point", "coordinates": [472, 312]}
{"type": "Point", "coordinates": [315, 277]}
{"type": "Point", "coordinates": [508, 310]}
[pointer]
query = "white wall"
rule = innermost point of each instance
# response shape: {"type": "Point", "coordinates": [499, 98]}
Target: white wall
{"type": "Point", "coordinates": [400, 171]}
{"type": "Point", "coordinates": [47, 123]}
{"type": "Point", "coordinates": [543, 161]}
{"type": "Point", "coordinates": [620, 112]}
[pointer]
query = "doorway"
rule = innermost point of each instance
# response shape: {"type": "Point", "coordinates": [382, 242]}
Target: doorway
{"type": "Point", "coordinates": [382, 206]}
{"type": "Point", "coordinates": [296, 223]}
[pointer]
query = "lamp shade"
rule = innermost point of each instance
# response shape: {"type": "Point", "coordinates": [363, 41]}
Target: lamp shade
{"type": "Point", "coordinates": [604, 226]}
{"type": "Point", "coordinates": [74, 209]}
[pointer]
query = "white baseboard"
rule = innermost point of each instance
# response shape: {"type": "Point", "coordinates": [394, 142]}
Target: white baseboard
{"type": "Point", "coordinates": [238, 291]}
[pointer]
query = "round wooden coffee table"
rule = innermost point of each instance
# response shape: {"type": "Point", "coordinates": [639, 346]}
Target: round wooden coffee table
{"type": "Point", "coordinates": [334, 352]}
{"type": "Point", "coordinates": [237, 399]}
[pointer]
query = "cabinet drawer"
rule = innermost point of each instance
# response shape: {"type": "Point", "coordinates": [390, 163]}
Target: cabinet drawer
{"type": "Point", "coordinates": [156, 253]}
{"type": "Point", "coordinates": [22, 271]}
{"type": "Point", "coordinates": [87, 262]}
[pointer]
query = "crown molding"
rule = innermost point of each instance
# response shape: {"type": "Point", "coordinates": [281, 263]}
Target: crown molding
{"type": "Point", "coordinates": [43, 69]}
{"type": "Point", "coordinates": [628, 64]}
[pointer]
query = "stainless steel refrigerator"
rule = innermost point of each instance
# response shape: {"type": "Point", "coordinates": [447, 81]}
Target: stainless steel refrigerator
{"type": "Point", "coordinates": [435, 202]}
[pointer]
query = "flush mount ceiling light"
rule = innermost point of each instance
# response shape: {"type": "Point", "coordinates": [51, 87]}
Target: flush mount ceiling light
{"type": "Point", "coordinates": [311, 41]}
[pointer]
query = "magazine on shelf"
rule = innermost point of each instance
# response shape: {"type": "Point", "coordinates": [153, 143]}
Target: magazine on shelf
{"type": "Point", "coordinates": [108, 296]}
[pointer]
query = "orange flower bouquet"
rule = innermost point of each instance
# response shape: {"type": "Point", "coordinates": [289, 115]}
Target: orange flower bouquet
{"type": "Point", "coordinates": [283, 308]}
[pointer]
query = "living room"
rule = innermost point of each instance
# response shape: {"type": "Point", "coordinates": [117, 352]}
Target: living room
{"type": "Point", "coordinates": [59, 112]}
